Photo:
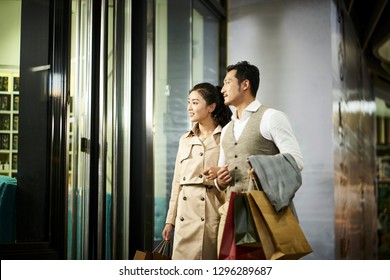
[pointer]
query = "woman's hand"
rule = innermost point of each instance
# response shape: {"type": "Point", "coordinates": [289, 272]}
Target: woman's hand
{"type": "Point", "coordinates": [167, 231]}
{"type": "Point", "coordinates": [211, 173]}
{"type": "Point", "coordinates": [222, 174]}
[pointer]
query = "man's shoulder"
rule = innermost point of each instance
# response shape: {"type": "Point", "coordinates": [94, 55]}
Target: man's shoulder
{"type": "Point", "coordinates": [272, 111]}
{"type": "Point", "coordinates": [226, 127]}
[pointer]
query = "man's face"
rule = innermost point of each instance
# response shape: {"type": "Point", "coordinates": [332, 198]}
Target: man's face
{"type": "Point", "coordinates": [231, 89]}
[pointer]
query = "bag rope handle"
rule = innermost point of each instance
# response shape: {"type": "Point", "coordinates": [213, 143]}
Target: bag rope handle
{"type": "Point", "coordinates": [163, 247]}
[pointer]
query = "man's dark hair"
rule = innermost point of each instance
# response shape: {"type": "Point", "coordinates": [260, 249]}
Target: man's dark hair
{"type": "Point", "coordinates": [247, 71]}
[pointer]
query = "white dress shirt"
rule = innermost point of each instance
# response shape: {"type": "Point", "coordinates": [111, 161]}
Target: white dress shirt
{"type": "Point", "coordinates": [274, 126]}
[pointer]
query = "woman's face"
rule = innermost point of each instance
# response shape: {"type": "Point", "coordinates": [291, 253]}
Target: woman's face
{"type": "Point", "coordinates": [197, 108]}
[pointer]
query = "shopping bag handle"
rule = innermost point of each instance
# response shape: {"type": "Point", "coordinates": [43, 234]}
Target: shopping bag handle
{"type": "Point", "coordinates": [253, 184]}
{"type": "Point", "coordinates": [163, 248]}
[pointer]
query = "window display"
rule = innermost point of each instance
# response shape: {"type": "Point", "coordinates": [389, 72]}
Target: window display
{"type": "Point", "coordinates": [9, 122]}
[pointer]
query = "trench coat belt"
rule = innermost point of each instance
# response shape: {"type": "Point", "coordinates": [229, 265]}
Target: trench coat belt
{"type": "Point", "coordinates": [206, 186]}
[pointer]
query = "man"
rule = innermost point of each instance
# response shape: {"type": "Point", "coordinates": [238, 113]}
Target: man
{"type": "Point", "coordinates": [253, 130]}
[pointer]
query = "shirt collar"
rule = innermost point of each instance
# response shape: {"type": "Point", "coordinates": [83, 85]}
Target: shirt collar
{"type": "Point", "coordinates": [251, 108]}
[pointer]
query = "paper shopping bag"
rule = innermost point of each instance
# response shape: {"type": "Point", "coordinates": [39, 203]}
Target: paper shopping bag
{"type": "Point", "coordinates": [229, 250]}
{"type": "Point", "coordinates": [245, 230]}
{"type": "Point", "coordinates": [141, 255]}
{"type": "Point", "coordinates": [280, 233]}
{"type": "Point", "coordinates": [160, 252]}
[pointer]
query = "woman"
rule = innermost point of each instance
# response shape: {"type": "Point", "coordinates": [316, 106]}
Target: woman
{"type": "Point", "coordinates": [194, 203]}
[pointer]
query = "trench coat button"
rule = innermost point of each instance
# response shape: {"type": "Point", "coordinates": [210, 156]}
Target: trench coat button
{"type": "Point", "coordinates": [184, 178]}
{"type": "Point", "coordinates": [236, 167]}
{"type": "Point", "coordinates": [181, 219]}
{"type": "Point", "coordinates": [236, 156]}
{"type": "Point", "coordinates": [184, 198]}
{"type": "Point", "coordinates": [201, 154]}
{"type": "Point", "coordinates": [200, 176]}
{"type": "Point", "coordinates": [202, 198]}
{"type": "Point", "coordinates": [202, 219]}
{"type": "Point", "coordinates": [235, 143]}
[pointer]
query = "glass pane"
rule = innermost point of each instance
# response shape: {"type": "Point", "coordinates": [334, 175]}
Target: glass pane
{"type": "Point", "coordinates": [110, 125]}
{"type": "Point", "coordinates": [79, 136]}
{"type": "Point", "coordinates": [172, 82]}
{"type": "Point", "coordinates": [181, 60]}
{"type": "Point", "coordinates": [121, 194]}
{"type": "Point", "coordinates": [205, 45]}
{"type": "Point", "coordinates": [79, 130]}
{"type": "Point", "coordinates": [122, 84]}
{"type": "Point", "coordinates": [10, 19]}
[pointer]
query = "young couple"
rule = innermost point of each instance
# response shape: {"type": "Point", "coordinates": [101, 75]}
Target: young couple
{"type": "Point", "coordinates": [201, 190]}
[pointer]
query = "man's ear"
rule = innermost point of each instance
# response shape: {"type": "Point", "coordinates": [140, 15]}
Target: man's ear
{"type": "Point", "coordinates": [245, 84]}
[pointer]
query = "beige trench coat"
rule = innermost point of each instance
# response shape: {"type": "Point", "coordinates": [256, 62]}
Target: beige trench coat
{"type": "Point", "coordinates": [194, 203]}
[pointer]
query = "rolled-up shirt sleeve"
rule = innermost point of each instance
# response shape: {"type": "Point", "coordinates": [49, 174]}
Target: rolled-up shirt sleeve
{"type": "Point", "coordinates": [276, 127]}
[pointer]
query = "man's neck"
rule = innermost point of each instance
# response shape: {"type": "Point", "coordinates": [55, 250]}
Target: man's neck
{"type": "Point", "coordinates": [240, 108]}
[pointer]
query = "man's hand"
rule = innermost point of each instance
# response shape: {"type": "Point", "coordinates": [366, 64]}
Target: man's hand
{"type": "Point", "coordinates": [224, 177]}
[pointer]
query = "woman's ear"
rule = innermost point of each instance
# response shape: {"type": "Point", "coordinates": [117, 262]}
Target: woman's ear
{"type": "Point", "coordinates": [212, 107]}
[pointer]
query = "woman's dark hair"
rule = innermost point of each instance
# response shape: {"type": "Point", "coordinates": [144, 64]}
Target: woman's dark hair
{"type": "Point", "coordinates": [247, 71]}
{"type": "Point", "coordinates": [212, 94]}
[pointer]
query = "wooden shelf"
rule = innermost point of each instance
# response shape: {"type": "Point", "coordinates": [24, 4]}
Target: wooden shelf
{"type": "Point", "coordinates": [9, 123]}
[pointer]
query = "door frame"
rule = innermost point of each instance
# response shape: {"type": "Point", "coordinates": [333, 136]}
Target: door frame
{"type": "Point", "coordinates": [42, 182]}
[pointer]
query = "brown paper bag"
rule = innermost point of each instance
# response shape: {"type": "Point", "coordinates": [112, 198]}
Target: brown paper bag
{"type": "Point", "coordinates": [280, 233]}
{"type": "Point", "coordinates": [161, 252]}
{"type": "Point", "coordinates": [141, 255]}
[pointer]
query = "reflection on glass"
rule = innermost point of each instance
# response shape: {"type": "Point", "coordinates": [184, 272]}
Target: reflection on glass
{"type": "Point", "coordinates": [10, 19]}
{"type": "Point", "coordinates": [79, 138]}
{"type": "Point", "coordinates": [205, 44]}
{"type": "Point", "coordinates": [79, 128]}
{"type": "Point", "coordinates": [110, 127]}
{"type": "Point", "coordinates": [181, 60]}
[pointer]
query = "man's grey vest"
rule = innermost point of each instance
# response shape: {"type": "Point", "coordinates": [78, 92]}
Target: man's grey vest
{"type": "Point", "coordinates": [251, 142]}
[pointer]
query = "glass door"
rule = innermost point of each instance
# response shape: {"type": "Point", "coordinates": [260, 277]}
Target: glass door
{"type": "Point", "coordinates": [90, 140]}
{"type": "Point", "coordinates": [79, 127]}
{"type": "Point", "coordinates": [10, 19]}
{"type": "Point", "coordinates": [205, 45]}
{"type": "Point", "coordinates": [187, 51]}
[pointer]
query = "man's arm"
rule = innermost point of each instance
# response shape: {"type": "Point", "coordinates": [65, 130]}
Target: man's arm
{"type": "Point", "coordinates": [277, 128]}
